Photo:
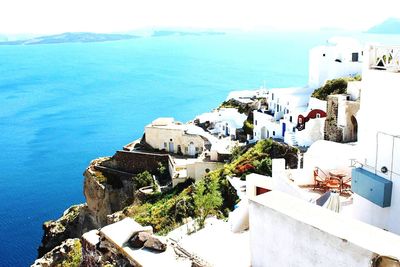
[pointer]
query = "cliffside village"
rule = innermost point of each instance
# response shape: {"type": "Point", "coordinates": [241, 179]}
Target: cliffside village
{"type": "Point", "coordinates": [339, 207]}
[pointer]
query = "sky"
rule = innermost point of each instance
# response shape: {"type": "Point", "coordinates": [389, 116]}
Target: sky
{"type": "Point", "coordinates": [55, 16]}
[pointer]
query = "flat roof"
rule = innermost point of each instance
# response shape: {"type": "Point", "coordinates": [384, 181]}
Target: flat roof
{"type": "Point", "coordinates": [359, 233]}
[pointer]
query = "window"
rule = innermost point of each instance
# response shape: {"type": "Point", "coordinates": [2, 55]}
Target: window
{"type": "Point", "coordinates": [197, 149]}
{"type": "Point", "coordinates": [354, 57]}
{"type": "Point", "coordinates": [255, 134]}
{"type": "Point", "coordinates": [165, 144]}
{"type": "Point", "coordinates": [272, 96]}
{"type": "Point", "coordinates": [290, 118]}
{"type": "Point", "coordinates": [207, 170]}
{"type": "Point", "coordinates": [170, 140]}
{"type": "Point", "coordinates": [318, 115]}
{"type": "Point", "coordinates": [273, 133]}
{"type": "Point", "coordinates": [294, 129]}
{"type": "Point", "coordinates": [323, 54]}
{"type": "Point", "coordinates": [255, 122]}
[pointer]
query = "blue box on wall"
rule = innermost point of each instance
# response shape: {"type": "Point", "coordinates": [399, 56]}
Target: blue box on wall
{"type": "Point", "coordinates": [372, 187]}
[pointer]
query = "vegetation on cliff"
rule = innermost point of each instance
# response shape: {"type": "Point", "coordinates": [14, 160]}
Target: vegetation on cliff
{"type": "Point", "coordinates": [335, 86]}
{"type": "Point", "coordinates": [258, 159]}
{"type": "Point", "coordinates": [213, 195]}
{"type": "Point", "coordinates": [73, 257]}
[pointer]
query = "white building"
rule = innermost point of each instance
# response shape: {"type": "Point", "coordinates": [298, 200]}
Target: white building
{"type": "Point", "coordinates": [223, 121]}
{"type": "Point", "coordinates": [339, 58]}
{"type": "Point", "coordinates": [292, 116]}
{"type": "Point", "coordinates": [174, 137]}
{"type": "Point", "coordinates": [305, 234]}
{"type": "Point", "coordinates": [295, 117]}
{"type": "Point", "coordinates": [377, 184]}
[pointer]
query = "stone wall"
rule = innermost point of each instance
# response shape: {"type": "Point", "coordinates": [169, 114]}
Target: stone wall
{"type": "Point", "coordinates": [341, 123]}
{"type": "Point", "coordinates": [136, 162]}
{"type": "Point", "coordinates": [332, 131]}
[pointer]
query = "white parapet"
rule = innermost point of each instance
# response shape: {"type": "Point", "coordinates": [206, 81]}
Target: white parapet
{"type": "Point", "coordinates": [287, 231]}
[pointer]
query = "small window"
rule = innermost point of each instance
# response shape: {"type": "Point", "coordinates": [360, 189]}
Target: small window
{"type": "Point", "coordinates": [170, 140]}
{"type": "Point", "coordinates": [186, 149]}
{"type": "Point", "coordinates": [255, 134]}
{"type": "Point", "coordinates": [354, 57]}
{"type": "Point", "coordinates": [273, 133]}
{"type": "Point", "coordinates": [290, 118]}
{"type": "Point", "coordinates": [207, 170]}
{"type": "Point", "coordinates": [223, 128]}
{"type": "Point", "coordinates": [255, 122]}
{"type": "Point", "coordinates": [323, 54]}
{"type": "Point", "coordinates": [197, 149]}
{"type": "Point", "coordinates": [318, 115]}
{"type": "Point", "coordinates": [294, 129]}
{"type": "Point", "coordinates": [165, 145]}
{"type": "Point", "coordinates": [272, 96]}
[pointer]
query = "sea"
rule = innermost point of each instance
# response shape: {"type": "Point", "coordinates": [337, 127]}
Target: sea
{"type": "Point", "coordinates": [62, 105]}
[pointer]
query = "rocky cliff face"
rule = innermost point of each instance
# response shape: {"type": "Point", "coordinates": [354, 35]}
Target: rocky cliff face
{"type": "Point", "coordinates": [105, 193]}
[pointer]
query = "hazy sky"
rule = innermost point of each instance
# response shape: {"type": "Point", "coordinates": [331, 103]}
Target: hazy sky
{"type": "Point", "coordinates": [53, 16]}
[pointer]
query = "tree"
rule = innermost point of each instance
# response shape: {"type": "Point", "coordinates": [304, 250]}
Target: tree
{"type": "Point", "coordinates": [207, 198]}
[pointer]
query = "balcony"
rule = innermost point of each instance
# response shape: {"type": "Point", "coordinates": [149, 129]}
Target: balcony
{"type": "Point", "coordinates": [385, 58]}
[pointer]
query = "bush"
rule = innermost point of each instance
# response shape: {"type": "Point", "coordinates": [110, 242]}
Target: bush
{"type": "Point", "coordinates": [335, 86]}
{"type": "Point", "coordinates": [143, 179]}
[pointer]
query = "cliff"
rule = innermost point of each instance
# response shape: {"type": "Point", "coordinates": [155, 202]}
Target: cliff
{"type": "Point", "coordinates": [105, 194]}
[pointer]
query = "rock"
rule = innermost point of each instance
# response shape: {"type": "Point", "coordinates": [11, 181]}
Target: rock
{"type": "Point", "coordinates": [72, 224]}
{"type": "Point", "coordinates": [139, 239]}
{"type": "Point", "coordinates": [68, 249]}
{"type": "Point", "coordinates": [156, 244]}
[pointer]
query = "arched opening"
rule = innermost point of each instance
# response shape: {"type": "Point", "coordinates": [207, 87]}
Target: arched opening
{"type": "Point", "coordinates": [192, 149]}
{"type": "Point", "coordinates": [355, 128]}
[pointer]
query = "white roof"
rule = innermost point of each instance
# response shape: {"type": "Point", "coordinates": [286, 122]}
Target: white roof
{"type": "Point", "coordinates": [163, 122]}
{"type": "Point", "coordinates": [230, 115]}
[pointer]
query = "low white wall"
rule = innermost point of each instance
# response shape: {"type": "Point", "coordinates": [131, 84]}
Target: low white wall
{"type": "Point", "coordinates": [286, 231]}
{"type": "Point", "coordinates": [197, 170]}
{"type": "Point", "coordinates": [313, 132]}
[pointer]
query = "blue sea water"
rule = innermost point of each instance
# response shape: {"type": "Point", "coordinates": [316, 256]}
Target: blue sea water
{"type": "Point", "coordinates": [63, 105]}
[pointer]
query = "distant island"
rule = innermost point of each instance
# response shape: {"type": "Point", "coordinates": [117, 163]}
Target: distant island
{"type": "Point", "coordinates": [161, 33]}
{"type": "Point", "coordinates": [71, 37]}
{"type": "Point", "coordinates": [389, 26]}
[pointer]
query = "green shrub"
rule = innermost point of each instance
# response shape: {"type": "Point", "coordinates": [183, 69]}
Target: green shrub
{"type": "Point", "coordinates": [143, 179]}
{"type": "Point", "coordinates": [335, 86]}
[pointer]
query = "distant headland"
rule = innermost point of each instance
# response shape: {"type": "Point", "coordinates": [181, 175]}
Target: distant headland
{"type": "Point", "coordinates": [389, 26]}
{"type": "Point", "coordinates": [89, 37]}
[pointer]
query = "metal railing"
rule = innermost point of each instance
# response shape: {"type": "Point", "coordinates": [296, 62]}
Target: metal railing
{"type": "Point", "coordinates": [385, 58]}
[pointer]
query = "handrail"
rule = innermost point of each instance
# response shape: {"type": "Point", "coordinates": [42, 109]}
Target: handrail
{"type": "Point", "coordinates": [386, 58]}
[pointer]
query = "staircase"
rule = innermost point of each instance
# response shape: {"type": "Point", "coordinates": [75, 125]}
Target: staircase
{"type": "Point", "coordinates": [290, 139]}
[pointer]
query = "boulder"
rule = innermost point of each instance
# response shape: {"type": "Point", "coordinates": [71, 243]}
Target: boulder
{"type": "Point", "coordinates": [156, 244]}
{"type": "Point", "coordinates": [138, 239]}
